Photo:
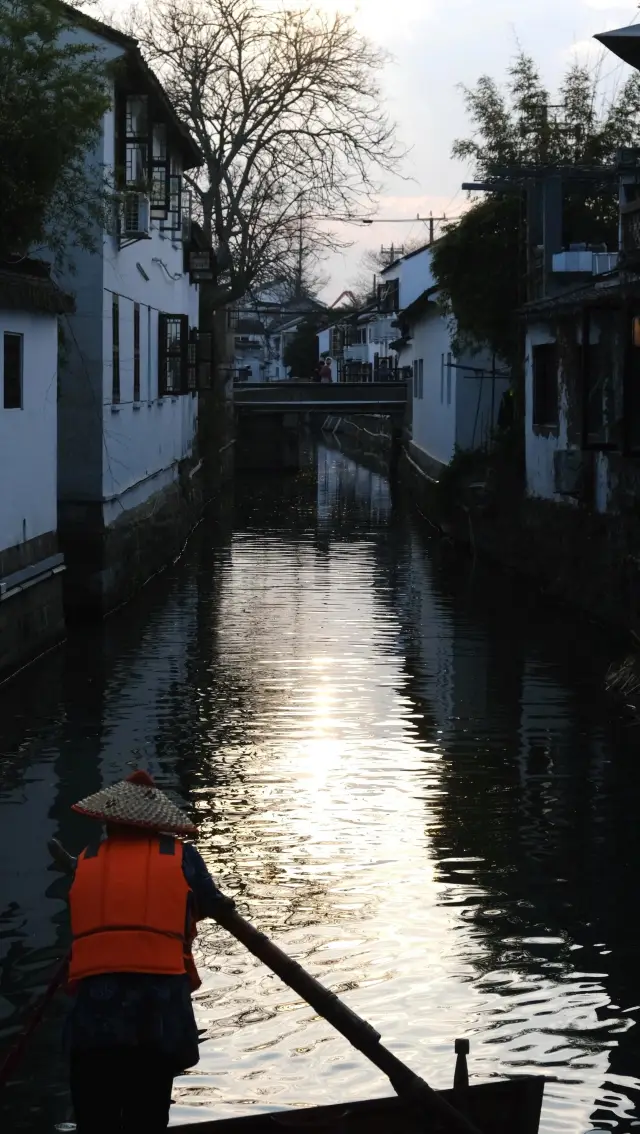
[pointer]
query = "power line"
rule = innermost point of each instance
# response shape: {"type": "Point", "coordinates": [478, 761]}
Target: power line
{"type": "Point", "coordinates": [386, 220]}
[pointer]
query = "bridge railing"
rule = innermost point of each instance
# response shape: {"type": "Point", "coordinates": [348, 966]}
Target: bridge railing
{"type": "Point", "coordinates": [339, 394]}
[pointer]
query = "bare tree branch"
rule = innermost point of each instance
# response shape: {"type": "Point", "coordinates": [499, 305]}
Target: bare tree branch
{"type": "Point", "coordinates": [286, 107]}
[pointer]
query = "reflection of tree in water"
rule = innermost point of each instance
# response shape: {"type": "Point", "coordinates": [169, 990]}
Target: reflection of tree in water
{"type": "Point", "coordinates": [532, 783]}
{"type": "Point", "coordinates": [538, 794]}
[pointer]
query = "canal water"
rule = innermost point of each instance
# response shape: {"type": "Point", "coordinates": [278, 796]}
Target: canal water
{"type": "Point", "coordinates": [405, 770]}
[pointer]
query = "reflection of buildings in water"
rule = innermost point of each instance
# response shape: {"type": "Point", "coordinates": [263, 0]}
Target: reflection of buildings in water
{"type": "Point", "coordinates": [523, 811]}
{"type": "Point", "coordinates": [387, 772]}
{"type": "Point", "coordinates": [143, 693]}
{"type": "Point", "coordinates": [349, 491]}
{"type": "Point", "coordinates": [452, 666]}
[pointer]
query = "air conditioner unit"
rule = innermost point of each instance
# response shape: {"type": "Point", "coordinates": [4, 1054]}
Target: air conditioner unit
{"type": "Point", "coordinates": [135, 217]}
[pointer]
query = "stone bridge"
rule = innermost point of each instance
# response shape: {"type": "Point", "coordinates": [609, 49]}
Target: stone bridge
{"type": "Point", "coordinates": [317, 397]}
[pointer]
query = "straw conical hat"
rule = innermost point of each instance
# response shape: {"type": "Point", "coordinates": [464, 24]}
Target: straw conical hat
{"type": "Point", "coordinates": [136, 802]}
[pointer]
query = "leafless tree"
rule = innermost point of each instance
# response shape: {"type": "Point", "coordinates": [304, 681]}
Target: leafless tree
{"type": "Point", "coordinates": [287, 109]}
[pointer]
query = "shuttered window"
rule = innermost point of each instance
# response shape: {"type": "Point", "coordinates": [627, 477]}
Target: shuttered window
{"type": "Point", "coordinates": [173, 343]}
{"type": "Point", "coordinates": [136, 352]}
{"type": "Point", "coordinates": [12, 370]}
{"type": "Point", "coordinates": [115, 350]}
{"type": "Point", "coordinates": [545, 385]}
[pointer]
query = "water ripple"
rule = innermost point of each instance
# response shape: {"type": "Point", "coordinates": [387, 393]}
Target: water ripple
{"type": "Point", "coordinates": [405, 775]}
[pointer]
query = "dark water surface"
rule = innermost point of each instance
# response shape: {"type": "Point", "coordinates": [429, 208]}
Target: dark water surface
{"type": "Point", "coordinates": [406, 772]}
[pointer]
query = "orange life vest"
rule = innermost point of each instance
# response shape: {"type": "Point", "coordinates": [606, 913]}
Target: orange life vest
{"type": "Point", "coordinates": [130, 909]}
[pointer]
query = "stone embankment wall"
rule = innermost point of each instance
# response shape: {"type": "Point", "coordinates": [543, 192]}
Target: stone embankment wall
{"type": "Point", "coordinates": [569, 552]}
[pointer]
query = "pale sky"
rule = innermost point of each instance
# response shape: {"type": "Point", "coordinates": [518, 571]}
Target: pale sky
{"type": "Point", "coordinates": [437, 44]}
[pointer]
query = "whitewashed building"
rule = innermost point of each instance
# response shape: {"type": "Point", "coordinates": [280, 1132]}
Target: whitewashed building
{"type": "Point", "coordinates": [127, 470]}
{"type": "Point", "coordinates": [358, 346]}
{"type": "Point", "coordinates": [31, 565]}
{"type": "Point", "coordinates": [456, 397]}
{"type": "Point", "coordinates": [582, 357]}
{"type": "Point", "coordinates": [264, 324]}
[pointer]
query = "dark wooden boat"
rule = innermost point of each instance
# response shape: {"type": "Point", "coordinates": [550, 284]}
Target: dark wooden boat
{"type": "Point", "coordinates": [511, 1106]}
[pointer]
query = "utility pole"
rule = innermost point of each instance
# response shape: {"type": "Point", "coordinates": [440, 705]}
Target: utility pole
{"type": "Point", "coordinates": [300, 258]}
{"type": "Point", "coordinates": [392, 253]}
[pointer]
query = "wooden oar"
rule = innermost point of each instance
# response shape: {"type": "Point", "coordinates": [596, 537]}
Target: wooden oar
{"type": "Point", "coordinates": [357, 1031]}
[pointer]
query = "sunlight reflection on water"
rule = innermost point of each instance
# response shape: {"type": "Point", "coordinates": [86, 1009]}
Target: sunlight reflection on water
{"type": "Point", "coordinates": [400, 776]}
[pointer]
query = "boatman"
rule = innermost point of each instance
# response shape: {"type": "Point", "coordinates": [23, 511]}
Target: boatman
{"type": "Point", "coordinates": [136, 897]}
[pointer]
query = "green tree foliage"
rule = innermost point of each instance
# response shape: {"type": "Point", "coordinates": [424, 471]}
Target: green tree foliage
{"type": "Point", "coordinates": [53, 95]}
{"type": "Point", "coordinates": [301, 353]}
{"type": "Point", "coordinates": [481, 262]}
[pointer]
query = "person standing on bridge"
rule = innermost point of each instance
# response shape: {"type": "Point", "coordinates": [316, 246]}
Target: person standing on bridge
{"type": "Point", "coordinates": [325, 371]}
{"type": "Point", "coordinates": [136, 897]}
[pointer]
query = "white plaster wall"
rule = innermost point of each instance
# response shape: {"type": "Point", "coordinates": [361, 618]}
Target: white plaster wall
{"type": "Point", "coordinates": [434, 415]}
{"type": "Point", "coordinates": [415, 276]}
{"type": "Point", "coordinates": [251, 355]}
{"type": "Point", "coordinates": [324, 342]}
{"type": "Point", "coordinates": [478, 399]}
{"type": "Point", "coordinates": [141, 440]}
{"type": "Point", "coordinates": [141, 444]}
{"type": "Point", "coordinates": [175, 296]}
{"type": "Point", "coordinates": [80, 405]}
{"type": "Point", "coordinates": [28, 437]}
{"type": "Point", "coordinates": [540, 450]}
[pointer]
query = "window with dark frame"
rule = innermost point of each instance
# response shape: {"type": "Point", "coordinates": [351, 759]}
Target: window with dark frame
{"type": "Point", "coordinates": [159, 193]}
{"type": "Point", "coordinates": [13, 364]}
{"type": "Point", "coordinates": [192, 362]}
{"type": "Point", "coordinates": [173, 220]}
{"type": "Point", "coordinates": [421, 378]}
{"type": "Point", "coordinates": [173, 354]}
{"type": "Point", "coordinates": [631, 413]}
{"type": "Point", "coordinates": [136, 141]}
{"type": "Point", "coordinates": [142, 148]}
{"type": "Point", "coordinates": [545, 386]}
{"type": "Point", "coordinates": [115, 350]}
{"type": "Point", "coordinates": [389, 296]}
{"type": "Point", "coordinates": [136, 352]}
